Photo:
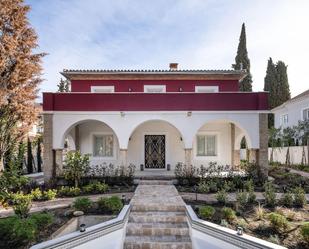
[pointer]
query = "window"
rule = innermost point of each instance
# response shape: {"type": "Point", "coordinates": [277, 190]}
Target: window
{"type": "Point", "coordinates": [206, 89]}
{"type": "Point", "coordinates": [207, 145]}
{"type": "Point", "coordinates": [102, 89]}
{"type": "Point", "coordinates": [154, 88]}
{"type": "Point", "coordinates": [103, 145]}
{"type": "Point", "coordinates": [284, 119]}
{"type": "Point", "coordinates": [306, 114]}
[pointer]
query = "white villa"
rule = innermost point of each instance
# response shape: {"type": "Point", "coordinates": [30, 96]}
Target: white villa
{"type": "Point", "coordinates": [155, 118]}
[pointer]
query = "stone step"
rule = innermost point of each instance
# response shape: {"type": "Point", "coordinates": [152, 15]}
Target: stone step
{"type": "Point", "coordinates": [155, 182]}
{"type": "Point", "coordinates": [148, 217]}
{"type": "Point", "coordinates": [157, 207]}
{"type": "Point", "coordinates": [157, 229]}
{"type": "Point", "coordinates": [157, 242]}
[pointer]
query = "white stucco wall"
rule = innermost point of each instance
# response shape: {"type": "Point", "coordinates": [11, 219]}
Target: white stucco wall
{"type": "Point", "coordinates": [223, 133]}
{"type": "Point", "coordinates": [86, 133]}
{"type": "Point", "coordinates": [124, 126]}
{"type": "Point", "coordinates": [279, 154]}
{"type": "Point", "coordinates": [294, 110]}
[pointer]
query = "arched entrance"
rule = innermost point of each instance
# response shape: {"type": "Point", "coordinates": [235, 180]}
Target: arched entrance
{"type": "Point", "coordinates": [155, 144]}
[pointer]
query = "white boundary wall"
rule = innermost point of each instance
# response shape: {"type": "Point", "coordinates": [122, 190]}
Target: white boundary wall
{"type": "Point", "coordinates": [279, 154]}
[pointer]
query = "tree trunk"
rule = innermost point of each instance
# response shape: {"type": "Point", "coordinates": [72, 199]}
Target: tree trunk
{"type": "Point", "coordinates": [1, 164]}
{"type": "Point", "coordinates": [271, 159]}
{"type": "Point", "coordinates": [287, 158]}
{"type": "Point", "coordinates": [303, 156]}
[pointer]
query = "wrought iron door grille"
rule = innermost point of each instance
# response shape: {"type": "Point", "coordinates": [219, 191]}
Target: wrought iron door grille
{"type": "Point", "coordinates": [154, 151]}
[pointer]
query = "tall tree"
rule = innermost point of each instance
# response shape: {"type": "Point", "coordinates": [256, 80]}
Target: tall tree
{"type": "Point", "coordinates": [63, 85]}
{"type": "Point", "coordinates": [20, 70]}
{"type": "Point", "coordinates": [270, 84]}
{"type": "Point", "coordinates": [283, 87]}
{"type": "Point", "coordinates": [242, 61]}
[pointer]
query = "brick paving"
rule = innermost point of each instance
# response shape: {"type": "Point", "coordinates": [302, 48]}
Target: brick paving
{"type": "Point", "coordinates": [157, 219]}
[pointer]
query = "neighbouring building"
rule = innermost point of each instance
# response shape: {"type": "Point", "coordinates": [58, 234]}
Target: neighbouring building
{"type": "Point", "coordinates": [290, 112]}
{"type": "Point", "coordinates": [155, 118]}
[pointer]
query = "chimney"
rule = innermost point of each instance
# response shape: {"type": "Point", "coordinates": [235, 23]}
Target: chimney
{"type": "Point", "coordinates": [173, 66]}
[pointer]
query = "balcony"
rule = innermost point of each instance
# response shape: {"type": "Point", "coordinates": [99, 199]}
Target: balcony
{"type": "Point", "coordinates": [222, 101]}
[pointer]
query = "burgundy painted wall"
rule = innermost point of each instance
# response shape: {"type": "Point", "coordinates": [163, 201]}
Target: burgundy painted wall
{"type": "Point", "coordinates": [138, 85]}
{"type": "Point", "coordinates": [155, 101]}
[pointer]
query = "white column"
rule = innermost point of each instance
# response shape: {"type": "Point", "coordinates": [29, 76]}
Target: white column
{"type": "Point", "coordinates": [123, 157]}
{"type": "Point", "coordinates": [188, 156]}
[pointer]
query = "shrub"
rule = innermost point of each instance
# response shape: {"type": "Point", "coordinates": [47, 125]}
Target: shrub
{"type": "Point", "coordinates": [213, 186]}
{"type": "Point", "coordinates": [95, 187]}
{"type": "Point", "coordinates": [228, 214]}
{"type": "Point", "coordinates": [49, 194]}
{"type": "Point", "coordinates": [110, 204]}
{"type": "Point", "coordinates": [36, 194]}
{"type": "Point", "coordinates": [287, 199]}
{"type": "Point", "coordinates": [299, 197]}
{"type": "Point", "coordinates": [304, 230]}
{"type": "Point", "coordinates": [248, 185]}
{"type": "Point", "coordinates": [259, 212]}
{"type": "Point", "coordinates": [221, 197]}
{"type": "Point", "coordinates": [251, 197]}
{"type": "Point", "coordinates": [203, 187]}
{"type": "Point", "coordinates": [278, 221]}
{"type": "Point", "coordinates": [242, 198]}
{"type": "Point", "coordinates": [224, 223]}
{"type": "Point", "coordinates": [269, 194]}
{"type": "Point", "coordinates": [274, 239]}
{"type": "Point", "coordinates": [69, 191]}
{"type": "Point", "coordinates": [42, 219]}
{"type": "Point", "coordinates": [206, 212]}
{"type": "Point", "coordinates": [16, 232]}
{"type": "Point", "coordinates": [82, 204]}
{"type": "Point", "coordinates": [76, 166]}
{"type": "Point", "coordinates": [21, 204]}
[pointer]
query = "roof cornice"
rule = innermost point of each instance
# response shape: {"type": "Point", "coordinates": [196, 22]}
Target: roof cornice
{"type": "Point", "coordinates": [150, 74]}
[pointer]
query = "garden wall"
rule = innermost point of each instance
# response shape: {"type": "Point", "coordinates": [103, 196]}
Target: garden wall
{"type": "Point", "coordinates": [279, 154]}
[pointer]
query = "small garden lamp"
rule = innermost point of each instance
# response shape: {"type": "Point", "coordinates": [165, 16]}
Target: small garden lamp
{"type": "Point", "coordinates": [82, 228]}
{"type": "Point", "coordinates": [240, 230]}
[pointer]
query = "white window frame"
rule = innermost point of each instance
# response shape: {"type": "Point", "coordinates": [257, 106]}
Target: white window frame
{"type": "Point", "coordinates": [216, 134]}
{"type": "Point", "coordinates": [92, 145]}
{"type": "Point", "coordinates": [102, 89]}
{"type": "Point", "coordinates": [282, 123]}
{"type": "Point", "coordinates": [206, 89]}
{"type": "Point", "coordinates": [158, 88]}
{"type": "Point", "coordinates": [302, 113]}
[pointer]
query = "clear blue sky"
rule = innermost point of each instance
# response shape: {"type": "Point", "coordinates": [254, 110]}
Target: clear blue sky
{"type": "Point", "coordinates": [198, 34]}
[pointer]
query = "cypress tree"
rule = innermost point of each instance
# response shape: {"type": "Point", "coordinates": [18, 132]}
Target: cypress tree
{"type": "Point", "coordinates": [283, 87]}
{"type": "Point", "coordinates": [38, 155]}
{"type": "Point", "coordinates": [29, 157]}
{"type": "Point", "coordinates": [242, 61]}
{"type": "Point", "coordinates": [270, 84]}
{"type": "Point", "coordinates": [63, 86]}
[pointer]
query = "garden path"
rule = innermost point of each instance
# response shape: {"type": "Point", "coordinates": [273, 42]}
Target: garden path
{"type": "Point", "coordinates": [157, 219]}
{"type": "Point", "coordinates": [299, 172]}
{"type": "Point", "coordinates": [38, 206]}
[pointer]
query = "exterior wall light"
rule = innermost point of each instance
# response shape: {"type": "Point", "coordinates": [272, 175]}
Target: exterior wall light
{"type": "Point", "coordinates": [130, 89]}
{"type": "Point", "coordinates": [180, 89]}
{"type": "Point", "coordinates": [122, 114]}
{"type": "Point", "coordinates": [189, 114]}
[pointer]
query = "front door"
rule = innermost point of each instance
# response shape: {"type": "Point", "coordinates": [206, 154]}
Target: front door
{"type": "Point", "coordinates": [154, 151]}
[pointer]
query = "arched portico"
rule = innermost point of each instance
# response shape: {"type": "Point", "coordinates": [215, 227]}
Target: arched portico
{"type": "Point", "coordinates": [155, 144]}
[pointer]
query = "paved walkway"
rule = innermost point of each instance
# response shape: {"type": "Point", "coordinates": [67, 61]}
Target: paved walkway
{"type": "Point", "coordinates": [38, 206]}
{"type": "Point", "coordinates": [157, 219]}
{"type": "Point", "coordinates": [299, 172]}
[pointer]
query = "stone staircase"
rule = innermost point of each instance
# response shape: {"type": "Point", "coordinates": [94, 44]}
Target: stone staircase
{"type": "Point", "coordinates": [157, 219]}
